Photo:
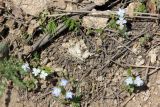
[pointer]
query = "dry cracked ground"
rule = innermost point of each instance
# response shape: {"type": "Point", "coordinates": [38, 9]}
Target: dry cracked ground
{"type": "Point", "coordinates": [98, 60]}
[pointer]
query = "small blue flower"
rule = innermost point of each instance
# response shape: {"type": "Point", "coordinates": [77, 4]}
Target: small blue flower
{"type": "Point", "coordinates": [56, 91]}
{"type": "Point", "coordinates": [63, 82]}
{"type": "Point", "coordinates": [129, 81]}
{"type": "Point", "coordinates": [121, 22]}
{"type": "Point", "coordinates": [138, 81]}
{"type": "Point", "coordinates": [26, 67]}
{"type": "Point", "coordinates": [69, 95]}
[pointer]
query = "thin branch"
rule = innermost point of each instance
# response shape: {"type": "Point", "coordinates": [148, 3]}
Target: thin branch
{"type": "Point", "coordinates": [154, 71]}
{"type": "Point", "coordinates": [130, 98]}
{"type": "Point", "coordinates": [123, 45]}
{"type": "Point", "coordinates": [109, 12]}
{"type": "Point", "coordinates": [135, 66]}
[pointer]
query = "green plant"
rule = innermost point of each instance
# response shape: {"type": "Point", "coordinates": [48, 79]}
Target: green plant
{"type": "Point", "coordinates": [99, 31]}
{"type": "Point", "coordinates": [93, 31]}
{"type": "Point", "coordinates": [89, 31]}
{"type": "Point", "coordinates": [43, 17]}
{"type": "Point", "coordinates": [47, 69]}
{"type": "Point", "coordinates": [71, 23]}
{"type": "Point", "coordinates": [11, 71]}
{"type": "Point", "coordinates": [143, 40]}
{"type": "Point", "coordinates": [75, 102]}
{"type": "Point", "coordinates": [132, 82]}
{"type": "Point", "coordinates": [2, 86]}
{"type": "Point", "coordinates": [158, 4]}
{"type": "Point", "coordinates": [129, 88]}
{"type": "Point", "coordinates": [64, 95]}
{"type": "Point", "coordinates": [112, 23]}
{"type": "Point", "coordinates": [141, 8]}
{"type": "Point", "coordinates": [51, 27]}
{"type": "Point", "coordinates": [123, 32]}
{"type": "Point", "coordinates": [31, 83]}
{"type": "Point", "coordinates": [35, 61]}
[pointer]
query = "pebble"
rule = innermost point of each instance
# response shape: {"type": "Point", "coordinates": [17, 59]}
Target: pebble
{"type": "Point", "coordinates": [45, 61]}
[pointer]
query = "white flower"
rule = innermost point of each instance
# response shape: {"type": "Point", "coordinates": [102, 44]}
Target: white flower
{"type": "Point", "coordinates": [121, 12]}
{"type": "Point", "coordinates": [43, 75]}
{"type": "Point", "coordinates": [121, 23]}
{"type": "Point", "coordinates": [36, 71]}
{"type": "Point", "coordinates": [129, 81]}
{"type": "Point", "coordinates": [69, 95]}
{"type": "Point", "coordinates": [56, 91]}
{"type": "Point", "coordinates": [138, 81]}
{"type": "Point", "coordinates": [63, 82]}
{"type": "Point", "coordinates": [25, 67]}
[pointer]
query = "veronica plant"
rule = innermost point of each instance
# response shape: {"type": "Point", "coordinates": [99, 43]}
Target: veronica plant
{"type": "Point", "coordinates": [64, 94]}
{"type": "Point", "coordinates": [132, 82]}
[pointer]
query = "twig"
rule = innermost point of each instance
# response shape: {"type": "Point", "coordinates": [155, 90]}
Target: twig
{"type": "Point", "coordinates": [130, 98]}
{"type": "Point", "coordinates": [109, 12]}
{"type": "Point", "coordinates": [154, 71]}
{"type": "Point", "coordinates": [135, 66]}
{"type": "Point", "coordinates": [149, 14]}
{"type": "Point", "coordinates": [153, 47]}
{"type": "Point", "coordinates": [112, 4]}
{"type": "Point", "coordinates": [145, 17]}
{"type": "Point", "coordinates": [42, 96]}
{"type": "Point", "coordinates": [61, 14]}
{"type": "Point", "coordinates": [110, 30]}
{"type": "Point", "coordinates": [47, 38]}
{"type": "Point", "coordinates": [146, 73]}
{"type": "Point", "coordinates": [123, 45]}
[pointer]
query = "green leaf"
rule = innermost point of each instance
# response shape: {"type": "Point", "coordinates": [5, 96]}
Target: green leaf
{"type": "Point", "coordinates": [51, 27]}
{"type": "Point", "coordinates": [71, 24]}
{"type": "Point", "coordinates": [31, 83]}
{"type": "Point", "coordinates": [11, 70]}
{"type": "Point", "coordinates": [47, 69]}
{"type": "Point", "coordinates": [112, 24]}
{"type": "Point", "coordinates": [73, 104]}
{"type": "Point", "coordinates": [2, 87]}
{"type": "Point", "coordinates": [141, 8]}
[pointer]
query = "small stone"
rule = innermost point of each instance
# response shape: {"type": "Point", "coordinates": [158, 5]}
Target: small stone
{"type": "Point", "coordinates": [131, 7]}
{"type": "Point", "coordinates": [45, 61]}
{"type": "Point", "coordinates": [136, 48]}
{"type": "Point", "coordinates": [100, 78]}
{"type": "Point", "coordinates": [158, 82]}
{"type": "Point", "coordinates": [153, 55]}
{"type": "Point", "coordinates": [58, 69]}
{"type": "Point", "coordinates": [32, 26]}
{"type": "Point", "coordinates": [27, 49]}
{"type": "Point", "coordinates": [77, 49]}
{"type": "Point", "coordinates": [94, 22]}
{"type": "Point", "coordinates": [99, 2]}
{"type": "Point", "coordinates": [44, 84]}
{"type": "Point", "coordinates": [31, 7]}
{"type": "Point", "coordinates": [1, 19]}
{"type": "Point", "coordinates": [146, 95]}
{"type": "Point", "coordinates": [140, 61]}
{"type": "Point", "coordinates": [49, 64]}
{"type": "Point", "coordinates": [71, 6]}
